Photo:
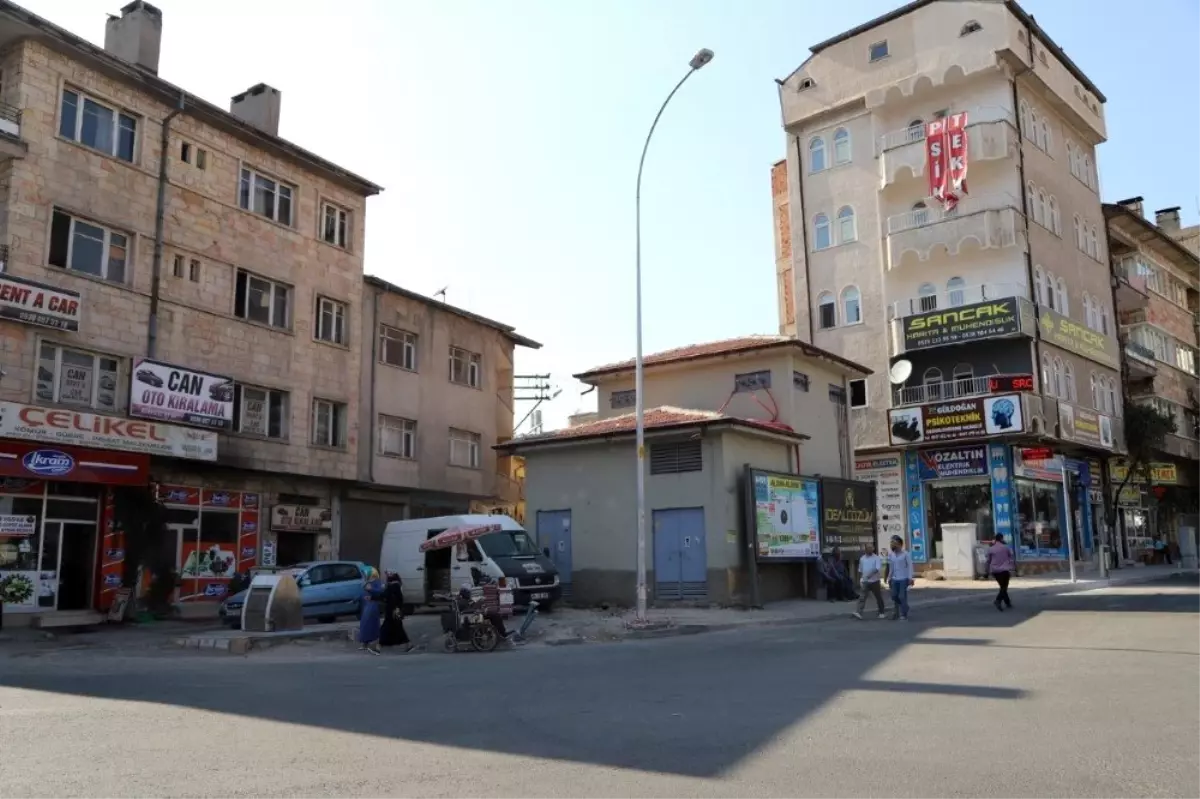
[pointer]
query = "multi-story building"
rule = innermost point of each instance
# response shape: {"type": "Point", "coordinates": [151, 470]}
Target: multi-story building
{"type": "Point", "coordinates": [989, 325]}
{"type": "Point", "coordinates": [437, 389]}
{"type": "Point", "coordinates": [1157, 290]}
{"type": "Point", "coordinates": [201, 345]}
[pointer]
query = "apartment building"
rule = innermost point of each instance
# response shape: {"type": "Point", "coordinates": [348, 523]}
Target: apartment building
{"type": "Point", "coordinates": [437, 396]}
{"type": "Point", "coordinates": [207, 351]}
{"type": "Point", "coordinates": [988, 323]}
{"type": "Point", "coordinates": [1157, 292]}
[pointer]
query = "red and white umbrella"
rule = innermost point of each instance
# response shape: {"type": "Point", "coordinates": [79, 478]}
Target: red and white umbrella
{"type": "Point", "coordinates": [456, 535]}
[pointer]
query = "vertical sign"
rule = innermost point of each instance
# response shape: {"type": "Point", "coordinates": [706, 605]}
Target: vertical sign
{"type": "Point", "coordinates": [946, 159]}
{"type": "Point", "coordinates": [916, 507]}
{"type": "Point", "coordinates": [1002, 497]}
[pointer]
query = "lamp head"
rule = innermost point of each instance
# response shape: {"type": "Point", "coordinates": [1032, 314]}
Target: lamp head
{"type": "Point", "coordinates": [701, 58]}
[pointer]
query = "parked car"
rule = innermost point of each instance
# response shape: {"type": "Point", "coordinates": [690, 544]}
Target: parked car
{"type": "Point", "coordinates": [149, 378]}
{"type": "Point", "coordinates": [328, 589]}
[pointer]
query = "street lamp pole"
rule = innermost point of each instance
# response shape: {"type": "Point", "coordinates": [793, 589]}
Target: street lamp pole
{"type": "Point", "coordinates": [699, 60]}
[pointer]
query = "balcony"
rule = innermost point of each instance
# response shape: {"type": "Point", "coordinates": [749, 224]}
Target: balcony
{"type": "Point", "coordinates": [975, 314]}
{"type": "Point", "coordinates": [1181, 446]}
{"type": "Point", "coordinates": [1161, 347]}
{"type": "Point", "coordinates": [1131, 289]}
{"type": "Point", "coordinates": [1139, 360]}
{"type": "Point", "coordinates": [11, 145]}
{"type": "Point", "coordinates": [990, 222]}
{"type": "Point", "coordinates": [902, 152]}
{"type": "Point", "coordinates": [939, 392]}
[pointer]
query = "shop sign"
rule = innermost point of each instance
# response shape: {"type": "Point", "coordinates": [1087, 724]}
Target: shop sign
{"type": "Point", "coordinates": [220, 499]}
{"type": "Point", "coordinates": [847, 515]}
{"type": "Point", "coordinates": [1160, 473]}
{"type": "Point", "coordinates": [980, 320]}
{"type": "Point", "coordinates": [787, 516]}
{"type": "Point", "coordinates": [956, 419]}
{"type": "Point", "coordinates": [17, 526]}
{"type": "Point", "coordinates": [27, 461]}
{"type": "Point", "coordinates": [186, 396]}
{"type": "Point", "coordinates": [916, 507]}
{"type": "Point", "coordinates": [39, 304]}
{"type": "Point", "coordinates": [1085, 426]}
{"type": "Point", "coordinates": [939, 464]}
{"type": "Point", "coordinates": [1005, 384]}
{"type": "Point", "coordinates": [179, 495]}
{"type": "Point", "coordinates": [78, 428]}
{"type": "Point", "coordinates": [887, 473]}
{"type": "Point", "coordinates": [1039, 468]}
{"type": "Point", "coordinates": [1002, 509]}
{"type": "Point", "coordinates": [268, 552]}
{"type": "Point", "coordinates": [1036, 453]}
{"type": "Point", "coordinates": [1078, 338]}
{"type": "Point", "coordinates": [301, 519]}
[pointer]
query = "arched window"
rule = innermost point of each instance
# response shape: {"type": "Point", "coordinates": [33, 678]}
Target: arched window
{"type": "Point", "coordinates": [956, 288]}
{"type": "Point", "coordinates": [1064, 302]}
{"type": "Point", "coordinates": [1104, 320]}
{"type": "Point", "coordinates": [1047, 384]}
{"type": "Point", "coordinates": [1047, 141]}
{"type": "Point", "coordinates": [851, 306]}
{"type": "Point", "coordinates": [1051, 292]}
{"type": "Point", "coordinates": [1086, 177]}
{"type": "Point", "coordinates": [1089, 312]}
{"type": "Point", "coordinates": [1060, 388]}
{"type": "Point", "coordinates": [1039, 209]}
{"type": "Point", "coordinates": [1031, 195]}
{"type": "Point", "coordinates": [1092, 248]}
{"type": "Point", "coordinates": [816, 154]}
{"type": "Point", "coordinates": [1110, 395]}
{"type": "Point", "coordinates": [927, 297]}
{"type": "Point", "coordinates": [932, 380]}
{"type": "Point", "coordinates": [1039, 279]}
{"type": "Point", "coordinates": [970, 28]}
{"type": "Point", "coordinates": [847, 230]}
{"type": "Point", "coordinates": [1071, 156]}
{"type": "Point", "coordinates": [920, 213]}
{"type": "Point", "coordinates": [1055, 223]}
{"type": "Point", "coordinates": [1025, 119]}
{"type": "Point", "coordinates": [1069, 381]}
{"type": "Point", "coordinates": [826, 310]}
{"type": "Point", "coordinates": [841, 146]}
{"type": "Point", "coordinates": [963, 375]}
{"type": "Point", "coordinates": [1078, 232]}
{"type": "Point", "coordinates": [821, 233]}
{"type": "Point", "coordinates": [916, 130]}
{"type": "Point", "coordinates": [1034, 128]}
{"type": "Point", "coordinates": [1095, 391]}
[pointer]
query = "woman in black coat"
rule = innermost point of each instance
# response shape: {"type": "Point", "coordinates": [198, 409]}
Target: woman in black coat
{"type": "Point", "coordinates": [392, 633]}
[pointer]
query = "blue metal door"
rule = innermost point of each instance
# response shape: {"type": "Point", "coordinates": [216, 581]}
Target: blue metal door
{"type": "Point", "coordinates": [554, 535]}
{"type": "Point", "coordinates": [680, 559]}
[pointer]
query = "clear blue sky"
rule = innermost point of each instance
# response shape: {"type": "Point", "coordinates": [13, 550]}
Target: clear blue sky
{"type": "Point", "coordinates": [507, 136]}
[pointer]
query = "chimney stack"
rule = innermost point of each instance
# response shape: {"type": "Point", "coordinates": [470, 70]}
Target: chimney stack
{"type": "Point", "coordinates": [1168, 219]}
{"type": "Point", "coordinates": [1134, 204]}
{"type": "Point", "coordinates": [136, 35]}
{"type": "Point", "coordinates": [258, 106]}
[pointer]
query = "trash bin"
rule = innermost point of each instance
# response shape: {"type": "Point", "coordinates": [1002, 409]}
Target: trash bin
{"type": "Point", "coordinates": [980, 561]}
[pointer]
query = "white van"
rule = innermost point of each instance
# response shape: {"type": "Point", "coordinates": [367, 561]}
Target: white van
{"type": "Point", "coordinates": [508, 554]}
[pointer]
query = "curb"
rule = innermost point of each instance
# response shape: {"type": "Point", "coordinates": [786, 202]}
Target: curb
{"type": "Point", "coordinates": [244, 644]}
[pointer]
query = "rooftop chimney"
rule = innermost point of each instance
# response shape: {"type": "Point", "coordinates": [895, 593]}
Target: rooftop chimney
{"type": "Point", "coordinates": [1133, 204]}
{"type": "Point", "coordinates": [258, 106]}
{"type": "Point", "coordinates": [1168, 219]}
{"type": "Point", "coordinates": [136, 35]}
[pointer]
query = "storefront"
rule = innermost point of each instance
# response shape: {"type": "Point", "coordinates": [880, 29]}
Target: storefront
{"type": "Point", "coordinates": [300, 533]}
{"type": "Point", "coordinates": [1046, 512]}
{"type": "Point", "coordinates": [954, 485]}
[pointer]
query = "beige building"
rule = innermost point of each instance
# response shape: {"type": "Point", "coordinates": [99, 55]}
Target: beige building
{"type": "Point", "coordinates": [209, 351]}
{"type": "Point", "coordinates": [442, 400]}
{"type": "Point", "coordinates": [1002, 300]}
{"type": "Point", "coordinates": [1157, 279]}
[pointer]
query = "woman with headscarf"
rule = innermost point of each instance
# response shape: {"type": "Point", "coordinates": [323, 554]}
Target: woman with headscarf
{"type": "Point", "coordinates": [392, 633]}
{"type": "Point", "coordinates": [368, 625]}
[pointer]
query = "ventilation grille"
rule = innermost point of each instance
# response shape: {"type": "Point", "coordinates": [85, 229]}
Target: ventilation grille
{"type": "Point", "coordinates": [676, 457]}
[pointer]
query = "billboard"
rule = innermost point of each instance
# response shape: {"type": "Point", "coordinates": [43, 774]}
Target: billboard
{"type": "Point", "coordinates": [980, 320]}
{"type": "Point", "coordinates": [787, 516]}
{"type": "Point", "coordinates": [1078, 338]}
{"type": "Point", "coordinates": [847, 515]}
{"type": "Point", "coordinates": [186, 396]}
{"type": "Point", "coordinates": [953, 420]}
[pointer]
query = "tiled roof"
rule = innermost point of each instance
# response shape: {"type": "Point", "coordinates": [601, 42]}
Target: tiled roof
{"type": "Point", "coordinates": [727, 346]}
{"type": "Point", "coordinates": [655, 419]}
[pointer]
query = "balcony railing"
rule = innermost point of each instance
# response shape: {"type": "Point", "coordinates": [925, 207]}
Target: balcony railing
{"type": "Point", "coordinates": [953, 298]}
{"type": "Point", "coordinates": [1161, 346]}
{"type": "Point", "coordinates": [940, 392]}
{"type": "Point", "coordinates": [990, 221]}
{"type": "Point", "coordinates": [935, 213]}
{"type": "Point", "coordinates": [1139, 350]}
{"type": "Point", "coordinates": [991, 135]}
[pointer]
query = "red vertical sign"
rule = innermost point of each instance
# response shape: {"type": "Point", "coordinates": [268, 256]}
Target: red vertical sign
{"type": "Point", "coordinates": [946, 159]}
{"type": "Point", "coordinates": [956, 135]}
{"type": "Point", "coordinates": [935, 155]}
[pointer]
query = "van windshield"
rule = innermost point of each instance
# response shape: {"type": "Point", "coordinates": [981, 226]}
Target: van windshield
{"type": "Point", "coordinates": [507, 544]}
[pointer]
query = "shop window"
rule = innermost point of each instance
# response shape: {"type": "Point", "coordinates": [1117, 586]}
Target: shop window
{"type": "Point", "coordinates": [959, 504]}
{"type": "Point", "coordinates": [218, 527]}
{"type": "Point", "coordinates": [74, 377]}
{"type": "Point", "coordinates": [260, 411]}
{"type": "Point", "coordinates": [72, 510]}
{"type": "Point", "coordinates": [1038, 519]}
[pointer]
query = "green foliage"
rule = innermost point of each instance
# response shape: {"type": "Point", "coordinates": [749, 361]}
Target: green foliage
{"type": "Point", "coordinates": [1145, 431]}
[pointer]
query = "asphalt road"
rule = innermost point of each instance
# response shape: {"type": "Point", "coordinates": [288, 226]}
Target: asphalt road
{"type": "Point", "coordinates": [1091, 694]}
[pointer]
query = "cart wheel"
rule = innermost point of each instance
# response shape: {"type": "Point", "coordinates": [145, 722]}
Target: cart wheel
{"type": "Point", "coordinates": [484, 637]}
{"type": "Point", "coordinates": [450, 643]}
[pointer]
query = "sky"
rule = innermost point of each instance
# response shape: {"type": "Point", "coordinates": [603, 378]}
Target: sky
{"type": "Point", "coordinates": [507, 136]}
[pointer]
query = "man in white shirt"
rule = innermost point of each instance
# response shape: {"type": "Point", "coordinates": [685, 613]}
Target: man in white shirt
{"type": "Point", "coordinates": [900, 577]}
{"type": "Point", "coordinates": [870, 570]}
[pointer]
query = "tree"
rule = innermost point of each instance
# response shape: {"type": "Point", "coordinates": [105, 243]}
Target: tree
{"type": "Point", "coordinates": [1146, 430]}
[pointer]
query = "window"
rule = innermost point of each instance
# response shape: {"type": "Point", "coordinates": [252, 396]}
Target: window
{"type": "Point", "coordinates": [331, 321]}
{"type": "Point", "coordinates": [1051, 292]}
{"type": "Point", "coordinates": [1037, 519]}
{"type": "Point", "coordinates": [1092, 248]}
{"type": "Point", "coordinates": [1064, 301]}
{"type": "Point", "coordinates": [821, 237]}
{"type": "Point", "coordinates": [816, 154]}
{"type": "Point", "coordinates": [97, 125]}
{"type": "Point", "coordinates": [335, 225]}
{"type": "Point", "coordinates": [1087, 172]}
{"type": "Point", "coordinates": [858, 393]}
{"type": "Point", "coordinates": [266, 196]}
{"type": "Point", "coordinates": [185, 152]}
{"type": "Point", "coordinates": [86, 247]}
{"type": "Point", "coordinates": [1089, 311]}
{"type": "Point", "coordinates": [464, 367]}
{"type": "Point", "coordinates": [75, 377]}
{"type": "Point", "coordinates": [676, 457]}
{"type": "Point", "coordinates": [800, 381]}
{"type": "Point", "coordinates": [397, 437]}
{"type": "Point", "coordinates": [752, 381]}
{"type": "Point", "coordinates": [1095, 391]}
{"type": "Point", "coordinates": [260, 300]}
{"type": "Point", "coordinates": [1047, 383]}
{"type": "Point", "coordinates": [177, 267]}
{"type": "Point", "coordinates": [826, 310]}
{"type": "Point", "coordinates": [841, 146]}
{"type": "Point", "coordinates": [1069, 381]}
{"type": "Point", "coordinates": [927, 297]}
{"type": "Point", "coordinates": [970, 28]}
{"type": "Point", "coordinates": [1052, 218]}
{"type": "Point", "coordinates": [201, 158]}
{"type": "Point", "coordinates": [847, 231]}
{"type": "Point", "coordinates": [851, 306]}
{"type": "Point", "coordinates": [398, 348]}
{"type": "Point", "coordinates": [1111, 399]}
{"type": "Point", "coordinates": [1059, 388]}
{"type": "Point", "coordinates": [194, 271]}
{"type": "Point", "coordinates": [956, 288]}
{"type": "Point", "coordinates": [916, 132]}
{"type": "Point", "coordinates": [1104, 320]}
{"type": "Point", "coordinates": [623, 399]}
{"type": "Point", "coordinates": [328, 423]}
{"type": "Point", "coordinates": [879, 50]}
{"type": "Point", "coordinates": [1078, 228]}
{"type": "Point", "coordinates": [963, 375]}
{"type": "Point", "coordinates": [1040, 213]}
{"type": "Point", "coordinates": [1047, 141]}
{"type": "Point", "coordinates": [464, 449]}
{"type": "Point", "coordinates": [1039, 280]}
{"type": "Point", "coordinates": [260, 411]}
{"type": "Point", "coordinates": [1034, 134]}
{"type": "Point", "coordinates": [1025, 126]}
{"type": "Point", "coordinates": [805, 83]}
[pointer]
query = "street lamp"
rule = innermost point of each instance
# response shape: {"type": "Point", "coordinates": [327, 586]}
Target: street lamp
{"type": "Point", "coordinates": [699, 60]}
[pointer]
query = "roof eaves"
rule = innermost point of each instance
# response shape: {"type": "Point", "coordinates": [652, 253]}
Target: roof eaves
{"type": "Point", "coordinates": [515, 444]}
{"type": "Point", "coordinates": [1112, 210]}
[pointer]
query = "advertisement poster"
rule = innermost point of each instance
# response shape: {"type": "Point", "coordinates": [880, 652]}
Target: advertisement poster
{"type": "Point", "coordinates": [787, 516]}
{"type": "Point", "coordinates": [973, 322]}
{"type": "Point", "coordinates": [1078, 338]}
{"type": "Point", "coordinates": [887, 473]}
{"type": "Point", "coordinates": [1085, 426]}
{"type": "Point", "coordinates": [14, 526]}
{"type": "Point", "coordinates": [940, 464]}
{"type": "Point", "coordinates": [956, 419]}
{"type": "Point", "coordinates": [1049, 469]}
{"type": "Point", "coordinates": [847, 515]}
{"type": "Point", "coordinates": [39, 304]}
{"type": "Point", "coordinates": [946, 159]}
{"type": "Point", "coordinates": [1002, 509]}
{"type": "Point", "coordinates": [78, 428]}
{"type": "Point", "coordinates": [24, 591]}
{"type": "Point", "coordinates": [185, 396]}
{"type": "Point", "coordinates": [916, 507]}
{"type": "Point", "coordinates": [206, 571]}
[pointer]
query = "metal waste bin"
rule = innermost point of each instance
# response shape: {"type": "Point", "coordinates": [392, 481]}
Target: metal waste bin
{"type": "Point", "coordinates": [980, 560]}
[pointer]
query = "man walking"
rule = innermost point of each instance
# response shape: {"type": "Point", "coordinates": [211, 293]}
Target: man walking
{"type": "Point", "coordinates": [900, 577]}
{"type": "Point", "coordinates": [870, 568]}
{"type": "Point", "coordinates": [1000, 565]}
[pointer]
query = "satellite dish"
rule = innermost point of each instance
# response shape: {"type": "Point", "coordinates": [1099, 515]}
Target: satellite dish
{"type": "Point", "coordinates": [900, 371]}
